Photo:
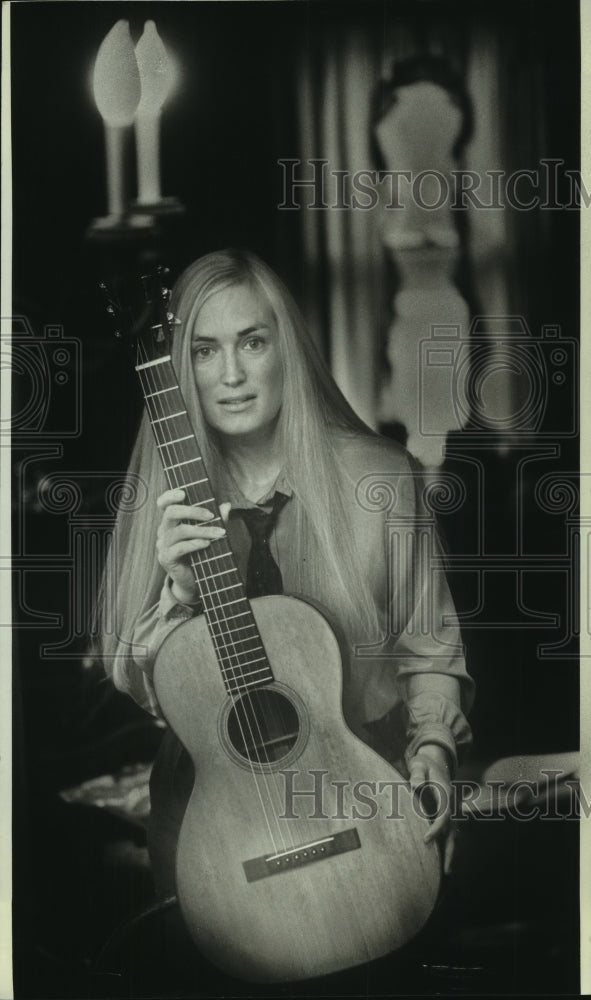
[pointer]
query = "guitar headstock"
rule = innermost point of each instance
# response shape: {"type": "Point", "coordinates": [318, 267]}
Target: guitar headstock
{"type": "Point", "coordinates": [139, 312]}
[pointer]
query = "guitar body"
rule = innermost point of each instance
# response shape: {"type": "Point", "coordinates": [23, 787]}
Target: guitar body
{"type": "Point", "coordinates": [275, 885]}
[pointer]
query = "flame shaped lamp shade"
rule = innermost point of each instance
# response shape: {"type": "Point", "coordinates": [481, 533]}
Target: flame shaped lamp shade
{"type": "Point", "coordinates": [117, 92]}
{"type": "Point", "coordinates": [156, 71]}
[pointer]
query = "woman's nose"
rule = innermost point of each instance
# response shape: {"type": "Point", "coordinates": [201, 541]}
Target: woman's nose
{"type": "Point", "coordinates": [233, 373]}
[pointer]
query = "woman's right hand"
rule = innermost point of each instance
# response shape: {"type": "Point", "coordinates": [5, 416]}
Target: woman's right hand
{"type": "Point", "coordinates": [176, 540]}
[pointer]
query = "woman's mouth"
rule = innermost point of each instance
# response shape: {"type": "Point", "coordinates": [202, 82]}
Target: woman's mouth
{"type": "Point", "coordinates": [236, 402]}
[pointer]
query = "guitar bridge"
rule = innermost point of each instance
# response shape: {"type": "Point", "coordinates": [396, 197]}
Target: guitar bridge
{"type": "Point", "coordinates": [306, 854]}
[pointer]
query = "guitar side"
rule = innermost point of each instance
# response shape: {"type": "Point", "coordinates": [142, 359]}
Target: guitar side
{"type": "Point", "coordinates": [370, 884]}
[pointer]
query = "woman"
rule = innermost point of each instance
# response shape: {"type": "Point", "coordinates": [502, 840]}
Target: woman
{"type": "Point", "coordinates": [277, 435]}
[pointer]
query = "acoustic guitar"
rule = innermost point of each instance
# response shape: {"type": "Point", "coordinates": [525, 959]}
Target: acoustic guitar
{"type": "Point", "coordinates": [301, 852]}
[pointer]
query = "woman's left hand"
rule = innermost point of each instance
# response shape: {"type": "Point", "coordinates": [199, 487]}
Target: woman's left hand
{"type": "Point", "coordinates": [431, 766]}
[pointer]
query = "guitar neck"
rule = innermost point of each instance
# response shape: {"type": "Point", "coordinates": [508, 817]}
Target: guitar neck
{"type": "Point", "coordinates": [237, 642]}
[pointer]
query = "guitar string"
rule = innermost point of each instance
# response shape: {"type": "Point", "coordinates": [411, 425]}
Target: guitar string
{"type": "Point", "coordinates": [246, 711]}
{"type": "Point", "coordinates": [174, 481]}
{"type": "Point", "coordinates": [212, 623]}
{"type": "Point", "coordinates": [205, 584]}
{"type": "Point", "coordinates": [245, 703]}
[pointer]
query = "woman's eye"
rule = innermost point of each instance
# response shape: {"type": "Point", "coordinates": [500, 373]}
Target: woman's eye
{"type": "Point", "coordinates": [201, 351]}
{"type": "Point", "coordinates": [254, 343]}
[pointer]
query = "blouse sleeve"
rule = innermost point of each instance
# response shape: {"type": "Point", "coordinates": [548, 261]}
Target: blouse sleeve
{"type": "Point", "coordinates": [151, 630]}
{"type": "Point", "coordinates": [432, 678]}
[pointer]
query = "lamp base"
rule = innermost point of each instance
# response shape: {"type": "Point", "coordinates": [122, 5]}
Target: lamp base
{"type": "Point", "coordinates": [160, 208]}
{"type": "Point", "coordinates": [123, 227]}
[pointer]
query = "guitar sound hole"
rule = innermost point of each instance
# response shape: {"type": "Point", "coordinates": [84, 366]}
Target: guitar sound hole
{"type": "Point", "coordinates": [263, 726]}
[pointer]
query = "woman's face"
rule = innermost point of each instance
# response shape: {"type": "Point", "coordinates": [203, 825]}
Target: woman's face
{"type": "Point", "coordinates": [237, 364]}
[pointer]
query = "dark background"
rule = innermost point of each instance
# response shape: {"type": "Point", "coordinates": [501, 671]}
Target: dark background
{"type": "Point", "coordinates": [233, 116]}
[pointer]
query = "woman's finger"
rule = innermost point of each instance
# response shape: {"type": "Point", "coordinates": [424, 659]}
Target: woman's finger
{"type": "Point", "coordinates": [185, 532]}
{"type": "Point", "coordinates": [170, 496]}
{"type": "Point", "coordinates": [176, 552]}
{"type": "Point", "coordinates": [418, 773]}
{"type": "Point", "coordinates": [176, 512]}
{"type": "Point", "coordinates": [437, 827]}
{"type": "Point", "coordinates": [448, 851]}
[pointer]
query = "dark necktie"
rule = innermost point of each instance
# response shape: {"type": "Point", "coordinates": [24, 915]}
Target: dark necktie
{"type": "Point", "coordinates": [263, 575]}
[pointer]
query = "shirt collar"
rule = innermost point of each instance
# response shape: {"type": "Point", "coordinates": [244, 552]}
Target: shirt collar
{"type": "Point", "coordinates": [230, 491]}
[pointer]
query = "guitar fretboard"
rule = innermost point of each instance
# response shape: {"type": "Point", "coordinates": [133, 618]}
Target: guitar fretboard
{"type": "Point", "coordinates": [237, 642]}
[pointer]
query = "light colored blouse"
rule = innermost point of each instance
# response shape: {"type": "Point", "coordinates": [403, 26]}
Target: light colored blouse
{"type": "Point", "coordinates": [415, 668]}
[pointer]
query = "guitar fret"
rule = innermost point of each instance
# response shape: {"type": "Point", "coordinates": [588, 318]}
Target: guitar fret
{"type": "Point", "coordinates": [259, 659]}
{"type": "Point", "coordinates": [235, 688]}
{"type": "Point", "coordinates": [188, 462]}
{"type": "Point", "coordinates": [167, 444]}
{"type": "Point", "coordinates": [221, 573]}
{"type": "Point", "coordinates": [241, 615]}
{"type": "Point", "coordinates": [228, 603]}
{"type": "Point", "coordinates": [233, 651]}
{"type": "Point", "coordinates": [159, 392]}
{"type": "Point", "coordinates": [150, 364]}
{"type": "Point", "coordinates": [228, 618]}
{"type": "Point", "coordinates": [222, 555]}
{"type": "Point", "coordinates": [231, 587]}
{"type": "Point", "coordinates": [253, 650]}
{"type": "Point", "coordinates": [231, 645]}
{"type": "Point", "coordinates": [195, 482]}
{"type": "Point", "coordinates": [251, 673]}
{"type": "Point", "coordinates": [226, 652]}
{"type": "Point", "coordinates": [158, 420]}
{"type": "Point", "coordinates": [230, 649]}
{"type": "Point", "coordinates": [244, 652]}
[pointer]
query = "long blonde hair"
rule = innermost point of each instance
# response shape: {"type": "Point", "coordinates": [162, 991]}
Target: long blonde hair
{"type": "Point", "coordinates": [313, 411]}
